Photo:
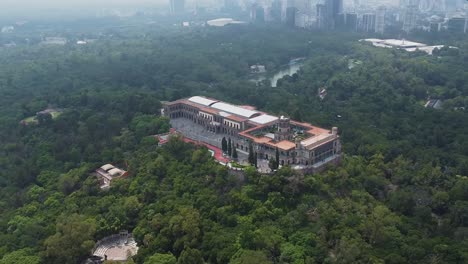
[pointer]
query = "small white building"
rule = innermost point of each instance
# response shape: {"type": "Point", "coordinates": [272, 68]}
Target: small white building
{"type": "Point", "coordinates": [7, 29]}
{"type": "Point", "coordinates": [221, 22]}
{"type": "Point", "coordinates": [257, 68]}
{"type": "Point", "coordinates": [107, 173]}
{"type": "Point", "coordinates": [433, 103]}
{"type": "Point", "coordinates": [54, 41]}
{"type": "Point", "coordinates": [403, 44]}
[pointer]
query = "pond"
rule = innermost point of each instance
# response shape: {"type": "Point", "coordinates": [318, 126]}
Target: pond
{"type": "Point", "coordinates": [291, 68]}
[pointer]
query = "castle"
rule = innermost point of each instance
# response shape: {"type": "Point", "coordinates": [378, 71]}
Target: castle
{"type": "Point", "coordinates": [300, 145]}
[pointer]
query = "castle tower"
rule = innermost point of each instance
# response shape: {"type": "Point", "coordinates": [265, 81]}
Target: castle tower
{"type": "Point", "coordinates": [284, 129]}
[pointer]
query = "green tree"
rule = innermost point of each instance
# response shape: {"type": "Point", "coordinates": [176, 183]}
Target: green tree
{"type": "Point", "coordinates": [251, 157]}
{"type": "Point", "coordinates": [250, 257]}
{"type": "Point", "coordinates": [190, 256]}
{"type": "Point", "coordinates": [229, 147]}
{"type": "Point", "coordinates": [234, 153]}
{"type": "Point", "coordinates": [185, 226]}
{"type": "Point", "coordinates": [277, 158]}
{"type": "Point", "coordinates": [255, 160]}
{"type": "Point", "coordinates": [272, 164]}
{"type": "Point", "coordinates": [224, 145]}
{"type": "Point", "coordinates": [160, 258]}
{"type": "Point", "coordinates": [22, 256]}
{"type": "Point", "coordinates": [72, 241]}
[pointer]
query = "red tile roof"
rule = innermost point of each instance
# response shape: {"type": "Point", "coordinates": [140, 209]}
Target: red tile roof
{"type": "Point", "coordinates": [209, 110]}
{"type": "Point", "coordinates": [236, 118]}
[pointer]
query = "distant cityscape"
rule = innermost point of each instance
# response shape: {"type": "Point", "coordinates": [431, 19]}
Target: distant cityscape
{"type": "Point", "coordinates": [382, 18]}
{"type": "Point", "coordinates": [353, 15]}
{"type": "Point", "coordinates": [364, 16]}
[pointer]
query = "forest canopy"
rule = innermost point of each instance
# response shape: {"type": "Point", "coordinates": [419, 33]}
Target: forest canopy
{"type": "Point", "coordinates": [399, 196]}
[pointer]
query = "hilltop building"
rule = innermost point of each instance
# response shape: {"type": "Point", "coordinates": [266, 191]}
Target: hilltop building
{"type": "Point", "coordinates": [107, 173]}
{"type": "Point", "coordinates": [300, 145]}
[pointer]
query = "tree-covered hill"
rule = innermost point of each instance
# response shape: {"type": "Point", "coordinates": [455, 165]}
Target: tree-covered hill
{"type": "Point", "coordinates": [400, 195]}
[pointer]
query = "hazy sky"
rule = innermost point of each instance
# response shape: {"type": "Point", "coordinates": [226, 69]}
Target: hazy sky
{"type": "Point", "coordinates": [6, 4]}
{"type": "Point", "coordinates": [75, 3]}
{"type": "Point", "coordinates": [28, 9]}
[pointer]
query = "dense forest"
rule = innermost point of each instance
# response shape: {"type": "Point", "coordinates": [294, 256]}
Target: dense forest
{"type": "Point", "coordinates": [399, 196]}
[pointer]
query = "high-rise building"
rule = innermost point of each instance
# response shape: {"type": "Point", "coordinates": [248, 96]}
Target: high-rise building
{"type": "Point", "coordinates": [321, 16]}
{"type": "Point", "coordinates": [257, 13]}
{"type": "Point", "coordinates": [230, 3]}
{"type": "Point", "coordinates": [177, 6]}
{"type": "Point", "coordinates": [346, 22]}
{"type": "Point", "coordinates": [451, 6]}
{"type": "Point", "coordinates": [304, 6]}
{"type": "Point", "coordinates": [291, 16]}
{"type": "Point", "coordinates": [304, 13]}
{"type": "Point", "coordinates": [439, 5]}
{"type": "Point", "coordinates": [457, 25]}
{"type": "Point", "coordinates": [275, 10]}
{"type": "Point", "coordinates": [380, 19]}
{"type": "Point", "coordinates": [332, 9]}
{"type": "Point", "coordinates": [337, 7]}
{"type": "Point", "coordinates": [368, 22]}
{"type": "Point", "coordinates": [285, 4]}
{"type": "Point", "coordinates": [351, 21]}
{"type": "Point", "coordinates": [435, 23]}
{"type": "Point", "coordinates": [231, 6]}
{"type": "Point", "coordinates": [434, 26]}
{"type": "Point", "coordinates": [328, 14]}
{"type": "Point", "coordinates": [340, 22]}
{"type": "Point", "coordinates": [410, 17]}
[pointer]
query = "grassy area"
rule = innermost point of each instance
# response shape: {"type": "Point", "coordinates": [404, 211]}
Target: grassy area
{"type": "Point", "coordinates": [55, 114]}
{"type": "Point", "coordinates": [237, 165]}
{"type": "Point", "coordinates": [33, 119]}
{"type": "Point", "coordinates": [30, 120]}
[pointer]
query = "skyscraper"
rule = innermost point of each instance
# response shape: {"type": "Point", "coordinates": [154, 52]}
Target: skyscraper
{"type": "Point", "coordinates": [410, 16]}
{"type": "Point", "coordinates": [332, 9]}
{"type": "Point", "coordinates": [337, 7]}
{"type": "Point", "coordinates": [177, 6]}
{"type": "Point", "coordinates": [380, 19]}
{"type": "Point", "coordinates": [321, 16]}
{"type": "Point", "coordinates": [346, 22]}
{"type": "Point", "coordinates": [304, 13]}
{"type": "Point", "coordinates": [231, 6]}
{"type": "Point", "coordinates": [275, 11]}
{"type": "Point", "coordinates": [291, 16]}
{"type": "Point", "coordinates": [457, 25]}
{"type": "Point", "coordinates": [257, 13]}
{"type": "Point", "coordinates": [368, 22]}
{"type": "Point", "coordinates": [285, 4]}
